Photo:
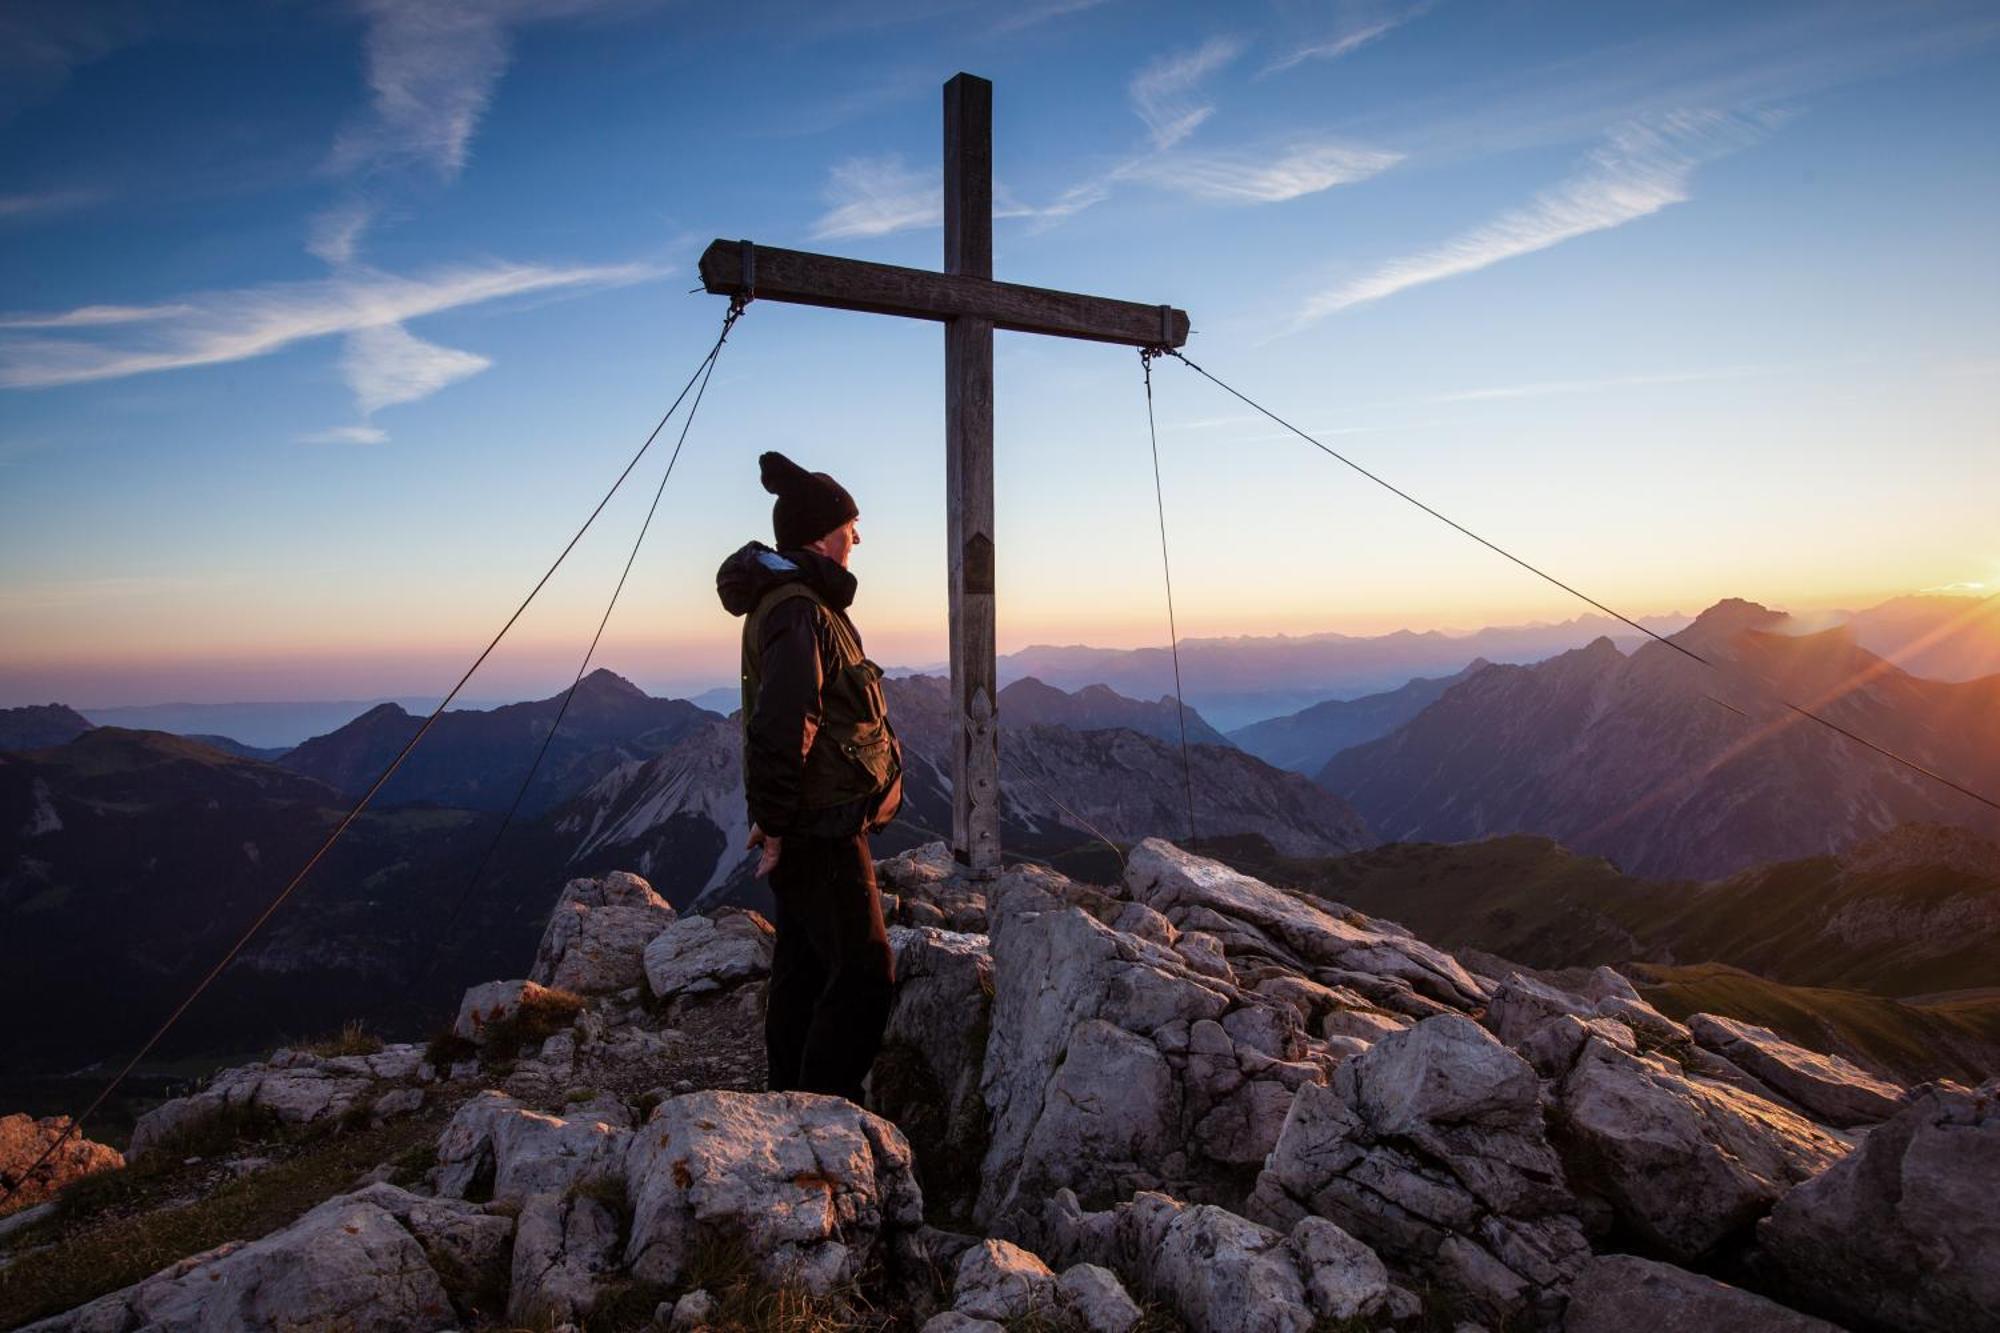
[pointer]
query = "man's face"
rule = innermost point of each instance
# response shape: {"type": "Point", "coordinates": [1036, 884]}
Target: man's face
{"type": "Point", "coordinates": [840, 543]}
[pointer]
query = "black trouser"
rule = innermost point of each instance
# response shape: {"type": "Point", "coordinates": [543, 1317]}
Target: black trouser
{"type": "Point", "coordinates": [831, 969]}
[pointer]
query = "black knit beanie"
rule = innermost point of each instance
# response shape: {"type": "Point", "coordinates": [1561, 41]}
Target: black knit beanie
{"type": "Point", "coordinates": [810, 504]}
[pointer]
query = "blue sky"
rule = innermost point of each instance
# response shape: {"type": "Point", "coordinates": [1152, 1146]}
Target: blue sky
{"type": "Point", "coordinates": [322, 326]}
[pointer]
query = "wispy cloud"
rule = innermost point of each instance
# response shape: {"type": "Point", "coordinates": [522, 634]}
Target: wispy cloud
{"type": "Point", "coordinates": [347, 435]}
{"type": "Point", "coordinates": [335, 234]}
{"type": "Point", "coordinates": [217, 327]}
{"type": "Point", "coordinates": [432, 66]}
{"type": "Point", "coordinates": [94, 316]}
{"type": "Point", "coordinates": [1362, 25]}
{"type": "Point", "coordinates": [1301, 167]}
{"type": "Point", "coordinates": [1644, 167]}
{"type": "Point", "coordinates": [874, 196]}
{"type": "Point", "coordinates": [1027, 16]}
{"type": "Point", "coordinates": [1167, 92]}
{"type": "Point", "coordinates": [386, 364]}
{"type": "Point", "coordinates": [46, 203]}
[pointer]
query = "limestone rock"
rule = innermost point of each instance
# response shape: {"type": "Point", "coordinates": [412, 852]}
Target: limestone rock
{"type": "Point", "coordinates": [694, 1310]}
{"type": "Point", "coordinates": [1260, 922]}
{"type": "Point", "coordinates": [565, 1246]}
{"type": "Point", "coordinates": [1521, 1004]}
{"type": "Point", "coordinates": [352, 1255]}
{"type": "Point", "coordinates": [294, 1087]}
{"type": "Point", "coordinates": [1904, 1232]}
{"type": "Point", "coordinates": [1619, 1293]}
{"type": "Point", "coordinates": [932, 885]}
{"type": "Point", "coordinates": [1430, 1148]}
{"type": "Point", "coordinates": [1113, 1066]}
{"type": "Point", "coordinates": [1095, 1297]}
{"type": "Point", "coordinates": [1001, 1281]}
{"type": "Point", "coordinates": [1344, 1278]}
{"type": "Point", "coordinates": [1835, 1091]}
{"type": "Point", "coordinates": [699, 954]}
{"type": "Point", "coordinates": [598, 933]}
{"type": "Point", "coordinates": [926, 1079]}
{"type": "Point", "coordinates": [23, 1140]}
{"type": "Point", "coordinates": [488, 1003]}
{"type": "Point", "coordinates": [1684, 1163]}
{"type": "Point", "coordinates": [1216, 1271]}
{"type": "Point", "coordinates": [496, 1147]}
{"type": "Point", "coordinates": [809, 1184]}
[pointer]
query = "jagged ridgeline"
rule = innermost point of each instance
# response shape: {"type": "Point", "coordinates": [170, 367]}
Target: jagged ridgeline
{"type": "Point", "coordinates": [1182, 1098]}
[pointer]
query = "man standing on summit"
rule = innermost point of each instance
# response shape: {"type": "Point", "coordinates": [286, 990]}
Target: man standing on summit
{"type": "Point", "coordinates": [822, 769]}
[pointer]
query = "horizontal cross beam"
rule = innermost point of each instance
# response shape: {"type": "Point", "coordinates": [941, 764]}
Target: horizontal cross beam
{"type": "Point", "coordinates": [802, 278]}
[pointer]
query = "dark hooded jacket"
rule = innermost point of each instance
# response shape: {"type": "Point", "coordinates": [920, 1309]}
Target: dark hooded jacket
{"type": "Point", "coordinates": [797, 651]}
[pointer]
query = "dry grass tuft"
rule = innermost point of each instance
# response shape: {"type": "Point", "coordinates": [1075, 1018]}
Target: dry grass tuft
{"type": "Point", "coordinates": [352, 1039]}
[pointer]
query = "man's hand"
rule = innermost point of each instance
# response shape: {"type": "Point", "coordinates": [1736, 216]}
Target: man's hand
{"type": "Point", "coordinates": [769, 860]}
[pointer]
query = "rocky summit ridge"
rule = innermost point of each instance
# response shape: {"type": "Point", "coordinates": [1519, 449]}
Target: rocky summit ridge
{"type": "Point", "coordinates": [1186, 1099]}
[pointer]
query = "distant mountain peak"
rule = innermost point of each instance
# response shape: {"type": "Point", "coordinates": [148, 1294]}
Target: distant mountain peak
{"type": "Point", "coordinates": [605, 683]}
{"type": "Point", "coordinates": [1734, 615]}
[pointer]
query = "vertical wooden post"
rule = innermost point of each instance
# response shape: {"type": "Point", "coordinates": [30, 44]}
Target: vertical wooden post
{"type": "Point", "coordinates": [968, 424]}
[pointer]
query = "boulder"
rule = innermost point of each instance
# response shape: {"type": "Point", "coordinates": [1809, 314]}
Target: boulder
{"type": "Point", "coordinates": [1683, 1163]}
{"type": "Point", "coordinates": [1344, 1279]}
{"type": "Point", "coordinates": [292, 1087]}
{"type": "Point", "coordinates": [494, 1147]}
{"type": "Point", "coordinates": [1218, 1272]}
{"type": "Point", "coordinates": [933, 890]}
{"type": "Point", "coordinates": [598, 933]}
{"type": "Point", "coordinates": [694, 1310]}
{"type": "Point", "coordinates": [1904, 1233]}
{"type": "Point", "coordinates": [699, 954]}
{"type": "Point", "coordinates": [1430, 1148]}
{"type": "Point", "coordinates": [1258, 923]}
{"type": "Point", "coordinates": [810, 1186]}
{"type": "Point", "coordinates": [1095, 1298]}
{"type": "Point", "coordinates": [1000, 1281]}
{"type": "Point", "coordinates": [23, 1141]}
{"type": "Point", "coordinates": [1619, 1293]}
{"type": "Point", "coordinates": [1523, 1005]}
{"type": "Point", "coordinates": [1113, 1066]}
{"type": "Point", "coordinates": [565, 1249]}
{"type": "Point", "coordinates": [1830, 1089]}
{"type": "Point", "coordinates": [926, 1078]}
{"type": "Point", "coordinates": [363, 1256]}
{"type": "Point", "coordinates": [492, 1002]}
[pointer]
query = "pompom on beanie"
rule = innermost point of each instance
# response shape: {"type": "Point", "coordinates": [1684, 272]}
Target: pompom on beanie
{"type": "Point", "coordinates": [810, 504]}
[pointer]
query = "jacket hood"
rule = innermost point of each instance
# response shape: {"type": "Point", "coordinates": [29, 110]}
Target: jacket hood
{"type": "Point", "coordinates": [756, 569]}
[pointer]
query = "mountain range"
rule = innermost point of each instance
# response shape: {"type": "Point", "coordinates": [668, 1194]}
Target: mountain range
{"type": "Point", "coordinates": [1245, 679]}
{"type": "Point", "coordinates": [1304, 741]}
{"type": "Point", "coordinates": [1670, 767]}
{"type": "Point", "coordinates": [129, 860]}
{"type": "Point", "coordinates": [679, 818]}
{"type": "Point", "coordinates": [476, 759]}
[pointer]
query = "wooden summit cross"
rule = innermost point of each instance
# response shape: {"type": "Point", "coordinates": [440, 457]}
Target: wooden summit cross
{"type": "Point", "coordinates": [971, 305]}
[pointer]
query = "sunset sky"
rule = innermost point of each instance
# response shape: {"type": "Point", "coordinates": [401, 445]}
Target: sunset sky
{"type": "Point", "coordinates": [323, 326]}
